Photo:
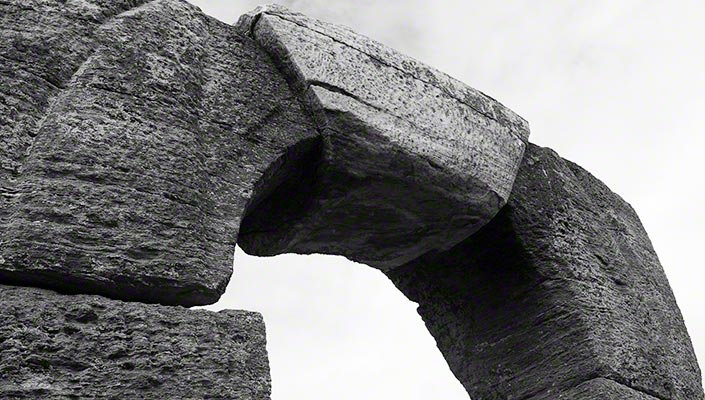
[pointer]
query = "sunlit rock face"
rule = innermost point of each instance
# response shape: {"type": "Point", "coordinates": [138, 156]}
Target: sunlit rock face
{"type": "Point", "coordinates": [412, 159]}
{"type": "Point", "coordinates": [560, 288]}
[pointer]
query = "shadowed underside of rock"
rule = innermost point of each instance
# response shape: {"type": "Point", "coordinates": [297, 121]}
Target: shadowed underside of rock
{"type": "Point", "coordinates": [561, 287]}
{"type": "Point", "coordinates": [413, 160]}
{"type": "Point", "coordinates": [58, 346]}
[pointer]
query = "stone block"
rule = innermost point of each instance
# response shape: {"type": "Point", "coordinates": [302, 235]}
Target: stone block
{"type": "Point", "coordinates": [57, 346]}
{"type": "Point", "coordinates": [414, 160]}
{"type": "Point", "coordinates": [563, 286]}
{"type": "Point", "coordinates": [155, 141]}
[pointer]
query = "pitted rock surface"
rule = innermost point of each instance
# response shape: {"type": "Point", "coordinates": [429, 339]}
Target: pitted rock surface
{"type": "Point", "coordinates": [172, 136]}
{"type": "Point", "coordinates": [596, 389]}
{"type": "Point", "coordinates": [441, 155]}
{"type": "Point", "coordinates": [563, 286]}
{"type": "Point", "coordinates": [140, 169]}
{"type": "Point", "coordinates": [42, 45]}
{"type": "Point", "coordinates": [142, 140]}
{"type": "Point", "coordinates": [57, 346]}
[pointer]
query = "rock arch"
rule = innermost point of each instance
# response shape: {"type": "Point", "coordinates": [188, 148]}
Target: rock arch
{"type": "Point", "coordinates": [169, 136]}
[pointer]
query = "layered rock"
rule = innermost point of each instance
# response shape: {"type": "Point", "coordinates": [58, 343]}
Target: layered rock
{"type": "Point", "coordinates": [42, 45]}
{"type": "Point", "coordinates": [172, 134]}
{"type": "Point", "coordinates": [413, 160]}
{"type": "Point", "coordinates": [141, 140]}
{"type": "Point", "coordinates": [56, 346]}
{"type": "Point", "coordinates": [561, 288]}
{"type": "Point", "coordinates": [597, 389]}
{"type": "Point", "coordinates": [141, 168]}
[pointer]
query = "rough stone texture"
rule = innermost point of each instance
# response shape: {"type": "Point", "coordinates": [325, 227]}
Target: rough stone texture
{"type": "Point", "coordinates": [167, 134]}
{"type": "Point", "coordinates": [132, 178]}
{"type": "Point", "coordinates": [414, 160]}
{"type": "Point", "coordinates": [58, 346]}
{"type": "Point", "coordinates": [596, 389]}
{"type": "Point", "coordinates": [140, 140]}
{"type": "Point", "coordinates": [42, 45]}
{"type": "Point", "coordinates": [561, 287]}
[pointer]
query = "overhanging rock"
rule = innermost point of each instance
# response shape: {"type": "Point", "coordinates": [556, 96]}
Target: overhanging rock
{"type": "Point", "coordinates": [170, 136]}
{"type": "Point", "coordinates": [131, 174]}
{"type": "Point", "coordinates": [560, 288]}
{"type": "Point", "coordinates": [413, 160]}
{"type": "Point", "coordinates": [141, 140]}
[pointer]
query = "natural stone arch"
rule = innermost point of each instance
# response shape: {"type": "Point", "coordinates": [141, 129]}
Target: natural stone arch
{"type": "Point", "coordinates": [151, 156]}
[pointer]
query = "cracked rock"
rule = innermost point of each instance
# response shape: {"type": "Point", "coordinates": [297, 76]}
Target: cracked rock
{"type": "Point", "coordinates": [161, 128]}
{"type": "Point", "coordinates": [413, 160]}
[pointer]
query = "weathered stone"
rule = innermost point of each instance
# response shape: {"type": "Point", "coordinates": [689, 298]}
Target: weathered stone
{"type": "Point", "coordinates": [59, 346]}
{"type": "Point", "coordinates": [142, 167]}
{"type": "Point", "coordinates": [42, 45]}
{"type": "Point", "coordinates": [561, 287]}
{"type": "Point", "coordinates": [142, 139]}
{"type": "Point", "coordinates": [171, 134]}
{"type": "Point", "coordinates": [414, 160]}
{"type": "Point", "coordinates": [596, 389]}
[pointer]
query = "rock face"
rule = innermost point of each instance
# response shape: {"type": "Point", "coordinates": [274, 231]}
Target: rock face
{"type": "Point", "coordinates": [562, 287]}
{"type": "Point", "coordinates": [413, 160]}
{"type": "Point", "coordinates": [151, 156]}
{"type": "Point", "coordinates": [58, 346]}
{"type": "Point", "coordinates": [137, 172]}
{"type": "Point", "coordinates": [141, 140]}
{"type": "Point", "coordinates": [597, 389]}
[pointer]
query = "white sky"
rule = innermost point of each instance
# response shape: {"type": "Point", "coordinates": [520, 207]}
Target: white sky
{"type": "Point", "coordinates": [616, 86]}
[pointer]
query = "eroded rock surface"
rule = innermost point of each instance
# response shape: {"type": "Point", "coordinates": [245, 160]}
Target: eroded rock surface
{"type": "Point", "coordinates": [596, 389]}
{"type": "Point", "coordinates": [57, 346]}
{"type": "Point", "coordinates": [42, 45]}
{"type": "Point", "coordinates": [561, 287]}
{"type": "Point", "coordinates": [414, 160]}
{"type": "Point", "coordinates": [131, 181]}
{"type": "Point", "coordinates": [141, 140]}
{"type": "Point", "coordinates": [168, 134]}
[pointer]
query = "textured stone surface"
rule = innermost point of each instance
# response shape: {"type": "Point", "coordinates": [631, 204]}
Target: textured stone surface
{"type": "Point", "coordinates": [42, 45]}
{"type": "Point", "coordinates": [167, 134]}
{"type": "Point", "coordinates": [140, 140]}
{"type": "Point", "coordinates": [561, 287]}
{"type": "Point", "coordinates": [596, 389]}
{"type": "Point", "coordinates": [132, 180]}
{"type": "Point", "coordinates": [413, 159]}
{"type": "Point", "coordinates": [59, 346]}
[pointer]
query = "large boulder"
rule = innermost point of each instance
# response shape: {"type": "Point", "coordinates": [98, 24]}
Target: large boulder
{"type": "Point", "coordinates": [562, 287]}
{"type": "Point", "coordinates": [163, 128]}
{"type": "Point", "coordinates": [54, 346]}
{"type": "Point", "coordinates": [170, 136]}
{"type": "Point", "coordinates": [413, 160]}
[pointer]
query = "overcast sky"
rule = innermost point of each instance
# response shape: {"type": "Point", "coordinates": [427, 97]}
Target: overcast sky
{"type": "Point", "coordinates": [616, 86]}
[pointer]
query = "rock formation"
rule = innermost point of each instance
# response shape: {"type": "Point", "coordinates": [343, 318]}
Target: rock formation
{"type": "Point", "coordinates": [137, 172]}
{"type": "Point", "coordinates": [142, 139]}
{"type": "Point", "coordinates": [561, 288]}
{"type": "Point", "coordinates": [59, 346]}
{"type": "Point", "coordinates": [413, 160]}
